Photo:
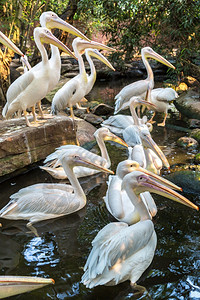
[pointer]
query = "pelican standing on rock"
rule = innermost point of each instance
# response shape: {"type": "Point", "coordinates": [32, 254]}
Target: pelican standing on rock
{"type": "Point", "coordinates": [121, 252]}
{"type": "Point", "coordinates": [162, 97]}
{"type": "Point", "coordinates": [46, 201]}
{"type": "Point", "coordinates": [49, 20]}
{"type": "Point", "coordinates": [142, 86]}
{"type": "Point", "coordinates": [34, 83]}
{"type": "Point", "coordinates": [101, 135]}
{"type": "Point", "coordinates": [75, 89]}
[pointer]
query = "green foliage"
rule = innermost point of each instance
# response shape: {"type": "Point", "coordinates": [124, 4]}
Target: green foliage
{"type": "Point", "coordinates": [171, 27]}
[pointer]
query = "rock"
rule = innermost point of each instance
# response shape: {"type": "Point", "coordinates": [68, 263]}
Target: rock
{"type": "Point", "coordinates": [103, 110]}
{"type": "Point", "coordinates": [182, 87]}
{"type": "Point", "coordinates": [21, 146]}
{"type": "Point", "coordinates": [187, 179]}
{"type": "Point", "coordinates": [93, 119]}
{"type": "Point", "coordinates": [187, 142]}
{"type": "Point", "coordinates": [189, 104]}
{"type": "Point", "coordinates": [85, 131]}
{"type": "Point", "coordinates": [197, 158]}
{"type": "Point", "coordinates": [194, 123]}
{"type": "Point", "coordinates": [191, 81]}
{"type": "Point", "coordinates": [195, 133]}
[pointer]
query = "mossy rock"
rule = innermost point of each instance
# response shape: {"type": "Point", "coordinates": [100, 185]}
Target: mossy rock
{"type": "Point", "coordinates": [189, 180]}
{"type": "Point", "coordinates": [195, 134]}
{"type": "Point", "coordinates": [197, 158]}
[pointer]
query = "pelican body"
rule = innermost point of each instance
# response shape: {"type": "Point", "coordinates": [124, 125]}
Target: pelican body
{"type": "Point", "coordinates": [14, 285]}
{"type": "Point", "coordinates": [75, 89]}
{"type": "Point", "coordinates": [162, 97]}
{"type": "Point", "coordinates": [46, 201]}
{"type": "Point", "coordinates": [29, 82]}
{"type": "Point", "coordinates": [142, 86]}
{"type": "Point", "coordinates": [121, 252]}
{"type": "Point", "coordinates": [101, 135]}
{"type": "Point", "coordinates": [49, 20]}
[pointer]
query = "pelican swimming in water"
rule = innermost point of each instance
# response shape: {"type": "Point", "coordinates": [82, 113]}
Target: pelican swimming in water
{"type": "Point", "coordinates": [121, 252]}
{"type": "Point", "coordinates": [38, 76]}
{"type": "Point", "coordinates": [75, 89]}
{"type": "Point", "coordinates": [101, 135]}
{"type": "Point", "coordinates": [46, 201]}
{"type": "Point", "coordinates": [162, 97]}
{"type": "Point", "coordinates": [117, 201]}
{"type": "Point", "coordinates": [142, 86]}
{"type": "Point", "coordinates": [15, 285]}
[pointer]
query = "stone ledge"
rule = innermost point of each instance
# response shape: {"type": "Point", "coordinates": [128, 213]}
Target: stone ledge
{"type": "Point", "coordinates": [21, 146]}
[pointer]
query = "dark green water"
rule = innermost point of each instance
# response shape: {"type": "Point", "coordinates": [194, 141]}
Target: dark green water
{"type": "Point", "coordinates": [64, 244]}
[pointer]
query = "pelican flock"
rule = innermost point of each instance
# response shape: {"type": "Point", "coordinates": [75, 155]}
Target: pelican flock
{"type": "Point", "coordinates": [124, 249]}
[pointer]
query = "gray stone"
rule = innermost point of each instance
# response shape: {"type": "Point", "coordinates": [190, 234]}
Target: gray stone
{"type": "Point", "coordinates": [103, 110]}
{"type": "Point", "coordinates": [194, 123]}
{"type": "Point", "coordinates": [21, 146]}
{"type": "Point", "coordinates": [187, 142]}
{"type": "Point", "coordinates": [187, 179]}
{"type": "Point", "coordinates": [189, 104]}
{"type": "Point", "coordinates": [93, 119]}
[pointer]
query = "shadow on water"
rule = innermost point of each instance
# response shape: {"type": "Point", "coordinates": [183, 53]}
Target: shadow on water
{"type": "Point", "coordinates": [64, 244]}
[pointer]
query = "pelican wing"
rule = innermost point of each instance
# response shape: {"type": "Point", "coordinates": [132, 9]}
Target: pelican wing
{"type": "Point", "coordinates": [42, 187]}
{"type": "Point", "coordinates": [114, 244]}
{"type": "Point", "coordinates": [40, 205]}
{"type": "Point", "coordinates": [64, 95]}
{"type": "Point", "coordinates": [164, 94]}
{"type": "Point", "coordinates": [119, 121]}
{"type": "Point", "coordinates": [16, 88]}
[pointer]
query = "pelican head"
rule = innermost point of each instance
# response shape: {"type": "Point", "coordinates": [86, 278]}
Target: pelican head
{"type": "Point", "coordinates": [72, 159]}
{"type": "Point", "coordinates": [127, 166]}
{"type": "Point", "coordinates": [81, 45]}
{"type": "Point", "coordinates": [14, 285]}
{"type": "Point", "coordinates": [149, 142]}
{"type": "Point", "coordinates": [51, 20]}
{"type": "Point", "coordinates": [95, 53]}
{"type": "Point", "coordinates": [105, 134]}
{"type": "Point", "coordinates": [46, 37]}
{"type": "Point", "coordinates": [148, 52]}
{"type": "Point", "coordinates": [141, 182]}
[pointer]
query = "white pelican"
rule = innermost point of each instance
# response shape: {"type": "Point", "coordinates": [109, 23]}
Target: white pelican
{"type": "Point", "coordinates": [119, 123]}
{"type": "Point", "coordinates": [75, 89]}
{"type": "Point", "coordinates": [162, 97]}
{"type": "Point", "coordinates": [30, 81]}
{"type": "Point", "coordinates": [15, 285]}
{"type": "Point", "coordinates": [46, 201]}
{"type": "Point", "coordinates": [142, 86]}
{"type": "Point", "coordinates": [49, 20]}
{"type": "Point", "coordinates": [117, 201]}
{"type": "Point", "coordinates": [121, 252]}
{"type": "Point", "coordinates": [101, 135]}
{"type": "Point", "coordinates": [140, 135]}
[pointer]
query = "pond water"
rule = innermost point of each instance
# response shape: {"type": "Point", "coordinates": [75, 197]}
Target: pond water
{"type": "Point", "coordinates": [64, 243]}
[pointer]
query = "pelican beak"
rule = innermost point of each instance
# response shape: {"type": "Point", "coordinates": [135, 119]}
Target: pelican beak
{"type": "Point", "coordinates": [100, 57]}
{"type": "Point", "coordinates": [157, 150]}
{"type": "Point", "coordinates": [159, 179]}
{"type": "Point", "coordinates": [155, 187]}
{"type": "Point", "coordinates": [25, 62]}
{"type": "Point", "coordinates": [114, 138]}
{"type": "Point", "coordinates": [146, 103]}
{"type": "Point", "coordinates": [82, 45]}
{"type": "Point", "coordinates": [95, 166]}
{"type": "Point", "coordinates": [159, 58]}
{"type": "Point", "coordinates": [56, 22]}
{"type": "Point", "coordinates": [14, 285]}
{"type": "Point", "coordinates": [49, 38]}
{"type": "Point", "coordinates": [8, 43]}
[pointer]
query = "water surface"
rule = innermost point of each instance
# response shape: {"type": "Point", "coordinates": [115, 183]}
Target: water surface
{"type": "Point", "coordinates": [64, 243]}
